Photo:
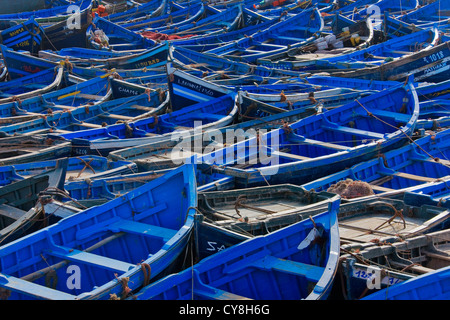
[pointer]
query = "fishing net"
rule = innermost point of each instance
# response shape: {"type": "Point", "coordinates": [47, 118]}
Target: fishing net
{"type": "Point", "coordinates": [350, 189]}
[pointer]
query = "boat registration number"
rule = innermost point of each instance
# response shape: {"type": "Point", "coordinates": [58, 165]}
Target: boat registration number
{"type": "Point", "coordinates": [371, 273]}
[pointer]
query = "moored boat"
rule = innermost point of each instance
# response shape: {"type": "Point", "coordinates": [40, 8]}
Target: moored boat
{"type": "Point", "coordinates": [277, 260]}
{"type": "Point", "coordinates": [147, 215]}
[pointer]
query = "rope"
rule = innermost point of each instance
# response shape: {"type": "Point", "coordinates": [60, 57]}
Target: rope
{"type": "Point", "coordinates": [407, 136]}
{"type": "Point", "coordinates": [146, 270]}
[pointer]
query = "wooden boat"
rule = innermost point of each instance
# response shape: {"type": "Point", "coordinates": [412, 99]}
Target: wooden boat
{"type": "Point", "coordinates": [294, 92]}
{"type": "Point", "coordinates": [124, 108]}
{"type": "Point", "coordinates": [391, 263]}
{"type": "Point", "coordinates": [348, 7]}
{"type": "Point", "coordinates": [214, 113]}
{"type": "Point", "coordinates": [254, 22]}
{"type": "Point", "coordinates": [83, 55]}
{"type": "Point", "coordinates": [138, 85]}
{"type": "Point", "coordinates": [150, 8]}
{"type": "Point", "coordinates": [70, 31]}
{"type": "Point", "coordinates": [393, 7]}
{"type": "Point", "coordinates": [35, 84]}
{"type": "Point", "coordinates": [58, 11]}
{"type": "Point", "coordinates": [183, 58]}
{"type": "Point", "coordinates": [430, 286]}
{"type": "Point", "coordinates": [212, 22]}
{"type": "Point", "coordinates": [378, 219]}
{"type": "Point", "coordinates": [25, 36]}
{"type": "Point", "coordinates": [150, 58]}
{"type": "Point", "coordinates": [433, 193]}
{"type": "Point", "coordinates": [286, 261]}
{"type": "Point", "coordinates": [169, 154]}
{"type": "Point", "coordinates": [292, 32]}
{"type": "Point", "coordinates": [77, 168]}
{"type": "Point", "coordinates": [435, 12]}
{"type": "Point", "coordinates": [216, 107]}
{"type": "Point", "coordinates": [433, 115]}
{"type": "Point", "coordinates": [232, 216]}
{"type": "Point", "coordinates": [85, 93]}
{"type": "Point", "coordinates": [347, 36]}
{"type": "Point", "coordinates": [426, 91]}
{"type": "Point", "coordinates": [20, 200]}
{"type": "Point", "coordinates": [104, 34]}
{"type": "Point", "coordinates": [374, 56]}
{"type": "Point", "coordinates": [98, 190]}
{"type": "Point", "coordinates": [430, 65]}
{"type": "Point", "coordinates": [21, 64]}
{"type": "Point", "coordinates": [159, 215]}
{"type": "Point", "coordinates": [191, 12]}
{"type": "Point", "coordinates": [21, 6]}
{"type": "Point", "coordinates": [326, 142]}
{"type": "Point", "coordinates": [412, 165]}
{"type": "Point", "coordinates": [23, 149]}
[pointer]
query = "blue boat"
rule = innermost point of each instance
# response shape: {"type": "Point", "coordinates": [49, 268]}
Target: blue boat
{"type": "Point", "coordinates": [158, 215]}
{"type": "Point", "coordinates": [188, 14]}
{"type": "Point", "coordinates": [397, 7]}
{"type": "Point", "coordinates": [149, 58]}
{"type": "Point", "coordinates": [292, 32]}
{"type": "Point", "coordinates": [382, 258]}
{"type": "Point", "coordinates": [347, 36]}
{"type": "Point", "coordinates": [255, 116]}
{"type": "Point", "coordinates": [57, 11]}
{"type": "Point", "coordinates": [121, 109]}
{"type": "Point", "coordinates": [31, 148]}
{"type": "Point", "coordinates": [95, 191]}
{"type": "Point", "coordinates": [433, 13]}
{"type": "Point", "coordinates": [26, 36]}
{"type": "Point", "coordinates": [92, 91]}
{"type": "Point", "coordinates": [20, 64]}
{"type": "Point", "coordinates": [32, 85]}
{"type": "Point", "coordinates": [210, 114]}
{"type": "Point", "coordinates": [107, 35]}
{"type": "Point", "coordinates": [70, 31]}
{"type": "Point", "coordinates": [425, 65]}
{"type": "Point", "coordinates": [152, 8]}
{"type": "Point", "coordinates": [253, 23]}
{"type": "Point", "coordinates": [326, 142]}
{"type": "Point", "coordinates": [430, 286]}
{"type": "Point", "coordinates": [367, 58]}
{"type": "Point", "coordinates": [210, 62]}
{"type": "Point", "coordinates": [77, 168]}
{"type": "Point", "coordinates": [395, 171]}
{"type": "Point", "coordinates": [214, 21]}
{"type": "Point", "coordinates": [232, 216]}
{"type": "Point", "coordinates": [19, 211]}
{"type": "Point", "coordinates": [284, 265]}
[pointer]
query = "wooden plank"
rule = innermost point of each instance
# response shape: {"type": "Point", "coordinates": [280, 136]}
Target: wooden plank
{"type": "Point", "coordinates": [116, 116]}
{"type": "Point", "coordinates": [11, 212]}
{"type": "Point", "coordinates": [90, 96]}
{"type": "Point", "coordinates": [380, 188]}
{"type": "Point", "coordinates": [289, 155]}
{"type": "Point", "coordinates": [92, 259]}
{"type": "Point", "coordinates": [217, 294]}
{"type": "Point", "coordinates": [401, 117]}
{"type": "Point", "coordinates": [143, 229]}
{"type": "Point", "coordinates": [416, 268]}
{"type": "Point", "coordinates": [88, 125]}
{"type": "Point", "coordinates": [19, 285]}
{"type": "Point", "coordinates": [353, 131]}
{"type": "Point", "coordinates": [326, 144]}
{"type": "Point", "coordinates": [414, 177]}
{"type": "Point", "coordinates": [143, 108]}
{"type": "Point", "coordinates": [312, 272]}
